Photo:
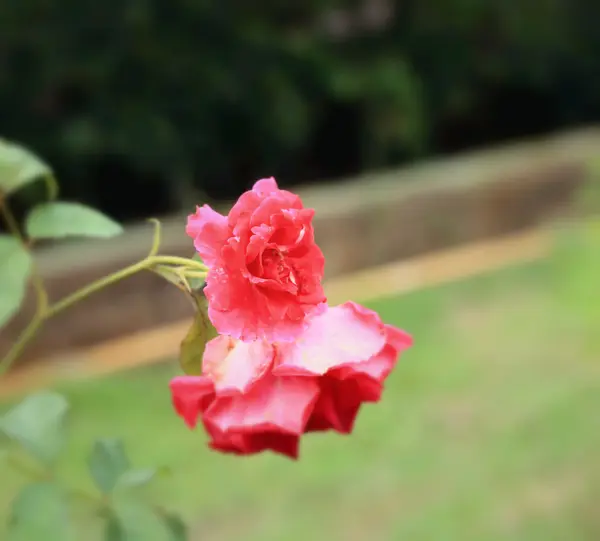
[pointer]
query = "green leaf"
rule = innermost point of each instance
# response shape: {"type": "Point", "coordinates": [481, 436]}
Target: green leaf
{"type": "Point", "coordinates": [60, 219]}
{"type": "Point", "coordinates": [137, 478]}
{"type": "Point", "coordinates": [113, 530]}
{"type": "Point", "coordinates": [37, 424]}
{"type": "Point", "coordinates": [201, 332]}
{"type": "Point", "coordinates": [19, 167]}
{"type": "Point", "coordinates": [169, 275]}
{"type": "Point", "coordinates": [135, 521]}
{"type": "Point", "coordinates": [177, 528]}
{"type": "Point", "coordinates": [108, 462]}
{"type": "Point", "coordinates": [196, 284]}
{"type": "Point", "coordinates": [40, 511]}
{"type": "Point", "coordinates": [15, 266]}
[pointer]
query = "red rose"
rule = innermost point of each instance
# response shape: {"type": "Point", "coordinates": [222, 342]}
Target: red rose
{"type": "Point", "coordinates": [265, 268]}
{"type": "Point", "coordinates": [255, 396]}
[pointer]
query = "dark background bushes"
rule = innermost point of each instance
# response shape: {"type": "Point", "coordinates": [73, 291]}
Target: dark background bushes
{"type": "Point", "coordinates": [147, 106]}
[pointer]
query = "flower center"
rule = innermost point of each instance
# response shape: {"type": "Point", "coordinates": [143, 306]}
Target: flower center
{"type": "Point", "coordinates": [275, 267]}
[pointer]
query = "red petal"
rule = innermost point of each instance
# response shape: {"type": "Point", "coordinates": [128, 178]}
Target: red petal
{"type": "Point", "coordinates": [191, 396]}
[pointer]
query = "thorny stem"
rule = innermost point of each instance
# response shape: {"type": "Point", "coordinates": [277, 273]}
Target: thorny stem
{"type": "Point", "coordinates": [45, 311]}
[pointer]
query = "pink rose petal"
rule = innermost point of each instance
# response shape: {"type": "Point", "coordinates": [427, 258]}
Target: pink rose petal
{"type": "Point", "coordinates": [210, 232]}
{"type": "Point", "coordinates": [234, 365]}
{"type": "Point", "coordinates": [272, 404]}
{"type": "Point", "coordinates": [340, 336]}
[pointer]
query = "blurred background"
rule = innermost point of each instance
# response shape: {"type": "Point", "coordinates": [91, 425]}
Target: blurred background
{"type": "Point", "coordinates": [411, 126]}
{"type": "Point", "coordinates": [167, 98]}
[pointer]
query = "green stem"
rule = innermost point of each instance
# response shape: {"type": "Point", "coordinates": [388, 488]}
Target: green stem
{"type": "Point", "coordinates": [82, 495]}
{"type": "Point", "coordinates": [195, 274]}
{"type": "Point", "coordinates": [17, 348]}
{"type": "Point", "coordinates": [35, 473]}
{"type": "Point", "coordinates": [45, 312]}
{"type": "Point", "coordinates": [15, 231]}
{"type": "Point", "coordinates": [41, 297]}
{"type": "Point", "coordinates": [80, 294]}
{"type": "Point", "coordinates": [173, 260]}
{"type": "Point", "coordinates": [26, 469]}
{"type": "Point", "coordinates": [156, 237]}
{"type": "Point", "coordinates": [11, 222]}
{"type": "Point", "coordinates": [144, 264]}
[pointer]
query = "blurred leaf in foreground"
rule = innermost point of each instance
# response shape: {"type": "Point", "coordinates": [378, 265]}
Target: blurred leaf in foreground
{"type": "Point", "coordinates": [135, 521]}
{"type": "Point", "coordinates": [15, 266]}
{"type": "Point", "coordinates": [19, 167]}
{"type": "Point", "coordinates": [37, 424]}
{"type": "Point", "coordinates": [108, 462]}
{"type": "Point", "coordinates": [60, 219]}
{"type": "Point", "coordinates": [40, 512]}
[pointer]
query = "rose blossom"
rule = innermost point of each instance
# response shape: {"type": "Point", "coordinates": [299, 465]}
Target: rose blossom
{"type": "Point", "coordinates": [265, 268]}
{"type": "Point", "coordinates": [255, 396]}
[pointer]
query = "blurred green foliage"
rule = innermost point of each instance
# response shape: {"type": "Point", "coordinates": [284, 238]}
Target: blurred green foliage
{"type": "Point", "coordinates": [45, 507]}
{"type": "Point", "coordinates": [487, 430]}
{"type": "Point", "coordinates": [162, 99]}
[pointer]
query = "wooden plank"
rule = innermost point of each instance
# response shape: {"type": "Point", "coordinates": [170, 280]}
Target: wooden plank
{"type": "Point", "coordinates": [157, 344]}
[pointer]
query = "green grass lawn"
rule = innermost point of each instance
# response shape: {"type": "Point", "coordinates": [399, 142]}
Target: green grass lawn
{"type": "Point", "coordinates": [489, 428]}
